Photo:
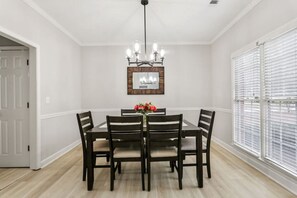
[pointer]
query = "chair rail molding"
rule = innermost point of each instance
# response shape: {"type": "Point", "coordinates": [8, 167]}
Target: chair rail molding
{"type": "Point", "coordinates": [58, 114]}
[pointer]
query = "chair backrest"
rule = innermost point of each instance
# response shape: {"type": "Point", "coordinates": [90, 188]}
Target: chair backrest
{"type": "Point", "coordinates": [159, 111]}
{"type": "Point", "coordinates": [85, 123]}
{"type": "Point", "coordinates": [206, 120]}
{"type": "Point", "coordinates": [125, 131]}
{"type": "Point", "coordinates": [128, 112]}
{"type": "Point", "coordinates": [164, 130]}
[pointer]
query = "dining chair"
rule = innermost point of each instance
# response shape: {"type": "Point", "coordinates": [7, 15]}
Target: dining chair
{"type": "Point", "coordinates": [126, 142]}
{"type": "Point", "coordinates": [101, 147]}
{"type": "Point", "coordinates": [126, 112]}
{"type": "Point", "coordinates": [164, 141]}
{"type": "Point", "coordinates": [159, 111]}
{"type": "Point", "coordinates": [188, 145]}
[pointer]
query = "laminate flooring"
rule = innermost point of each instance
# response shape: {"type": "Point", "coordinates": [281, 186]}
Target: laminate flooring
{"type": "Point", "coordinates": [231, 178]}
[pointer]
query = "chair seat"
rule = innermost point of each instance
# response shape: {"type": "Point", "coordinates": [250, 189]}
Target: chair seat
{"type": "Point", "coordinates": [164, 152]}
{"type": "Point", "coordinates": [101, 145]}
{"type": "Point", "coordinates": [189, 144]}
{"type": "Point", "coordinates": [126, 152]}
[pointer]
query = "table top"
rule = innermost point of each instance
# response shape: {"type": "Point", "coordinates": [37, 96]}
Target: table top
{"type": "Point", "coordinates": [100, 130]}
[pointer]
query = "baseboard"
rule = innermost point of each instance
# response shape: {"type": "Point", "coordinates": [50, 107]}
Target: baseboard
{"type": "Point", "coordinates": [261, 166]}
{"type": "Point", "coordinates": [58, 154]}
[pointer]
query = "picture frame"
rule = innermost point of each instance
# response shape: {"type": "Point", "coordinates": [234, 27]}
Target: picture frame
{"type": "Point", "coordinates": [145, 80]}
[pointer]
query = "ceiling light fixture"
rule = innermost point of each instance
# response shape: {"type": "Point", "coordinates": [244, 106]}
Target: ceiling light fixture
{"type": "Point", "coordinates": [154, 58]}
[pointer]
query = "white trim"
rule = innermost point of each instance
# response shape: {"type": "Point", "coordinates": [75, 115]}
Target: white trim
{"type": "Point", "coordinates": [58, 154]}
{"type": "Point", "coordinates": [58, 114]}
{"type": "Point", "coordinates": [34, 117]}
{"type": "Point", "coordinates": [64, 113]}
{"type": "Point", "coordinates": [102, 110]}
{"type": "Point", "coordinates": [167, 109]}
{"type": "Point", "coordinates": [40, 11]}
{"type": "Point", "coordinates": [266, 169]}
{"type": "Point", "coordinates": [99, 44]}
{"type": "Point", "coordinates": [244, 12]}
{"type": "Point", "coordinates": [186, 108]}
{"type": "Point", "coordinates": [224, 110]}
{"type": "Point", "coordinates": [13, 48]}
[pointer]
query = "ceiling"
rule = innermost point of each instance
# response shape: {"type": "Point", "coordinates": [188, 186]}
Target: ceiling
{"type": "Point", "coordinates": [116, 22]}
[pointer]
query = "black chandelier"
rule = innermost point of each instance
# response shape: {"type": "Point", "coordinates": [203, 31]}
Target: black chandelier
{"type": "Point", "coordinates": [156, 57]}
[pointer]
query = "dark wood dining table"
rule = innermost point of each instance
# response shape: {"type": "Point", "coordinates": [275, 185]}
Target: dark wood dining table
{"type": "Point", "coordinates": [100, 131]}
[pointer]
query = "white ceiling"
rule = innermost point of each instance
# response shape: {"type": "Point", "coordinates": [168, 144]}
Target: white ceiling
{"type": "Point", "coordinates": [111, 22]}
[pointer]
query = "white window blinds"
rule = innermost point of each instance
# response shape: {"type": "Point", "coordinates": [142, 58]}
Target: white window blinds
{"type": "Point", "coordinates": [280, 99]}
{"type": "Point", "coordinates": [246, 101]}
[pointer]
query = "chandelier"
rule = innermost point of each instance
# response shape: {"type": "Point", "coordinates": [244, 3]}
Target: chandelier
{"type": "Point", "coordinates": [155, 58]}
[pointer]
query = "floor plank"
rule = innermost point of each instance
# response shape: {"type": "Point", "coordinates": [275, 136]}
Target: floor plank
{"type": "Point", "coordinates": [231, 178]}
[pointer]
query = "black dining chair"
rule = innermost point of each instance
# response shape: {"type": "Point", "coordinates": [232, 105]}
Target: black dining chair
{"type": "Point", "coordinates": [126, 143]}
{"type": "Point", "coordinates": [164, 141]}
{"type": "Point", "coordinates": [188, 145]}
{"type": "Point", "coordinates": [101, 147]}
{"type": "Point", "coordinates": [127, 112]}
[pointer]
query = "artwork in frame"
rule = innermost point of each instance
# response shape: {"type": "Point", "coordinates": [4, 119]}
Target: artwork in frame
{"type": "Point", "coordinates": [145, 80]}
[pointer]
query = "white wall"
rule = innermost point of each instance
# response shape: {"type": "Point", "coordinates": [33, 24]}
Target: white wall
{"type": "Point", "coordinates": [267, 16]}
{"type": "Point", "coordinates": [187, 82]}
{"type": "Point", "coordinates": [60, 72]}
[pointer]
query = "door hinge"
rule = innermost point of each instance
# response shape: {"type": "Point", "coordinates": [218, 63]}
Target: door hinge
{"type": "Point", "coordinates": [28, 105]}
{"type": "Point", "coordinates": [28, 147]}
{"type": "Point", "coordinates": [28, 62]}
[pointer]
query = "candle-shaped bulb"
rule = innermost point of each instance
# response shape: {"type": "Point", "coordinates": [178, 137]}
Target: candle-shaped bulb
{"type": "Point", "coordinates": [155, 47]}
{"type": "Point", "coordinates": [162, 53]}
{"type": "Point", "coordinates": [129, 53]}
{"type": "Point", "coordinates": [137, 47]}
{"type": "Point", "coordinates": [152, 57]}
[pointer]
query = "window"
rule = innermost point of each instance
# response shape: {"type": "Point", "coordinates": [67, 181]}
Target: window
{"type": "Point", "coordinates": [247, 101]}
{"type": "Point", "coordinates": [280, 94]}
{"type": "Point", "coordinates": [265, 101]}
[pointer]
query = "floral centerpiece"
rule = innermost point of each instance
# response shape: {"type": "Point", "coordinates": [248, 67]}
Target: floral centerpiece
{"type": "Point", "coordinates": [144, 109]}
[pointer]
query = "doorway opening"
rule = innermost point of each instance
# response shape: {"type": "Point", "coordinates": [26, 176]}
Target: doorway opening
{"type": "Point", "coordinates": [19, 102]}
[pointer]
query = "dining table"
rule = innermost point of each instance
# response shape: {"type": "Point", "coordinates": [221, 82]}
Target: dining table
{"type": "Point", "coordinates": [100, 132]}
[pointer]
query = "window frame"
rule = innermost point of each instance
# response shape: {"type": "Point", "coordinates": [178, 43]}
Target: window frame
{"type": "Point", "coordinates": [259, 43]}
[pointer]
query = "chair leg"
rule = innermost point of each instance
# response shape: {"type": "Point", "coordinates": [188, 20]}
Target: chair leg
{"type": "Point", "coordinates": [112, 175]}
{"type": "Point", "coordinates": [84, 171]}
{"type": "Point", "coordinates": [107, 158]}
{"type": "Point", "coordinates": [142, 173]}
{"type": "Point", "coordinates": [180, 166]}
{"type": "Point", "coordinates": [208, 164]}
{"type": "Point", "coordinates": [148, 175]}
{"type": "Point", "coordinates": [119, 167]}
{"type": "Point", "coordinates": [172, 166]}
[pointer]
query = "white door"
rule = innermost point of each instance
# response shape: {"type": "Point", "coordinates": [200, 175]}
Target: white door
{"type": "Point", "coordinates": [14, 112]}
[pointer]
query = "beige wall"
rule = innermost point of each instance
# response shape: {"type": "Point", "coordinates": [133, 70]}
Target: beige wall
{"type": "Point", "coordinates": [187, 82]}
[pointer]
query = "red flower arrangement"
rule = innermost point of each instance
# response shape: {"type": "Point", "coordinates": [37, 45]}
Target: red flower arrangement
{"type": "Point", "coordinates": [145, 108]}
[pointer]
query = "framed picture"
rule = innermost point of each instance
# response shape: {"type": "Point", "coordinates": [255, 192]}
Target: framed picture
{"type": "Point", "coordinates": [145, 80]}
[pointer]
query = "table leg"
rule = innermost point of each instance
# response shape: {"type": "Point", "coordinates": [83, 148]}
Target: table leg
{"type": "Point", "coordinates": [90, 168]}
{"type": "Point", "coordinates": [199, 165]}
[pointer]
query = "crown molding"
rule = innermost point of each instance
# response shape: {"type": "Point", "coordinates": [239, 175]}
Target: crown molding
{"type": "Point", "coordinates": [40, 11]}
{"type": "Point", "coordinates": [244, 12]}
{"type": "Point", "coordinates": [94, 44]}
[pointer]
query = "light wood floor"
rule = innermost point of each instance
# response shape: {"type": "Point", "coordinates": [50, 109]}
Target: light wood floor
{"type": "Point", "coordinates": [231, 178]}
